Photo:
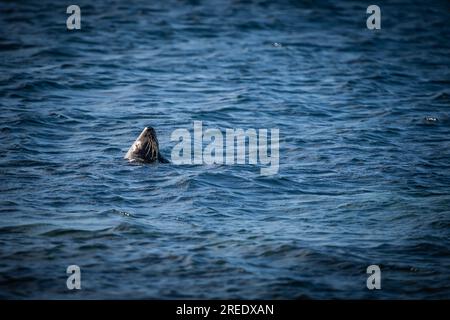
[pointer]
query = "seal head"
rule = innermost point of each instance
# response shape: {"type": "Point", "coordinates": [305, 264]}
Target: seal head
{"type": "Point", "coordinates": [146, 148]}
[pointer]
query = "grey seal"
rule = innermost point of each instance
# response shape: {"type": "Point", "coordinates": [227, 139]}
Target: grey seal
{"type": "Point", "coordinates": [146, 148]}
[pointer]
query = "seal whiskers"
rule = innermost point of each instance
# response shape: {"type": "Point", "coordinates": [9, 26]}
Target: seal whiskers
{"type": "Point", "coordinates": [145, 148]}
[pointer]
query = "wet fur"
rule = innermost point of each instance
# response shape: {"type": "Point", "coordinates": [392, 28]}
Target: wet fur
{"type": "Point", "coordinates": [146, 148]}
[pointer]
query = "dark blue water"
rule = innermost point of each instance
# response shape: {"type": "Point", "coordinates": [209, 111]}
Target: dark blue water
{"type": "Point", "coordinates": [364, 177]}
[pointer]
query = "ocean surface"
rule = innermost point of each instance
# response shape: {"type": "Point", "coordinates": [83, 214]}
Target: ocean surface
{"type": "Point", "coordinates": [364, 176]}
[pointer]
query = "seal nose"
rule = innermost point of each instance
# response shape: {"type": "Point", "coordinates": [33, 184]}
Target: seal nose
{"type": "Point", "coordinates": [149, 131]}
{"type": "Point", "coordinates": [146, 132]}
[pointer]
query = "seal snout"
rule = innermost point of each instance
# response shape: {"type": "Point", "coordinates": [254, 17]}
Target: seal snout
{"type": "Point", "coordinates": [149, 130]}
{"type": "Point", "coordinates": [145, 148]}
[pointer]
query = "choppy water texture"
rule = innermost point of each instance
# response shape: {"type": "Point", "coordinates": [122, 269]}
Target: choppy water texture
{"type": "Point", "coordinates": [363, 179]}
